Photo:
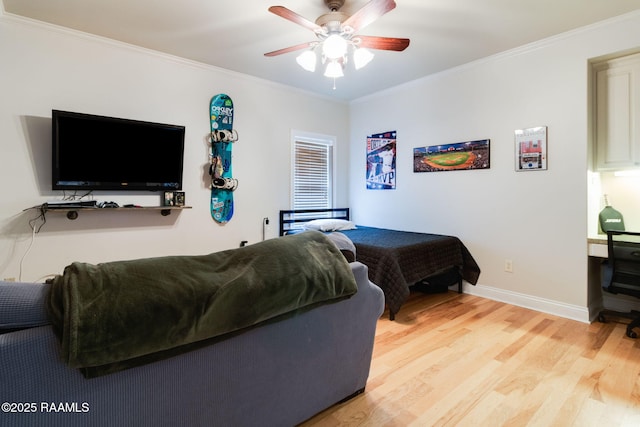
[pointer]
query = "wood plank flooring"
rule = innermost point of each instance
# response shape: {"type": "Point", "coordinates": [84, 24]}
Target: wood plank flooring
{"type": "Point", "coordinates": [460, 360]}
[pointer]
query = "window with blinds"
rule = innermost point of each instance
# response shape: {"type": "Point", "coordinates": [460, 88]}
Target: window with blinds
{"type": "Point", "coordinates": [312, 173]}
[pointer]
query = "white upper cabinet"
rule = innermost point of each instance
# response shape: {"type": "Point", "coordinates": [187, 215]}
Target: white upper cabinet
{"type": "Point", "coordinates": [617, 106]}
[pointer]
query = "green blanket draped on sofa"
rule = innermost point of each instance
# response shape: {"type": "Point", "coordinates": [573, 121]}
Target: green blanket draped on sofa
{"type": "Point", "coordinates": [115, 315]}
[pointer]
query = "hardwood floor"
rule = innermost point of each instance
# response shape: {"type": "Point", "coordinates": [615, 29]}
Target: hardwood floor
{"type": "Point", "coordinates": [462, 360]}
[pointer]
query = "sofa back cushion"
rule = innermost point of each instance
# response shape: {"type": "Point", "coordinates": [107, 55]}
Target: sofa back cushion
{"type": "Point", "coordinates": [22, 305]}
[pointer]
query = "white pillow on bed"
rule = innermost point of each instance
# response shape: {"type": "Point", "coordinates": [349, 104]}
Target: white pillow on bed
{"type": "Point", "coordinates": [329, 225]}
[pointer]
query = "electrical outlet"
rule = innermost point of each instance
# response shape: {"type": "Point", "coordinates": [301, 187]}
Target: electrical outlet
{"type": "Point", "coordinates": [508, 266]}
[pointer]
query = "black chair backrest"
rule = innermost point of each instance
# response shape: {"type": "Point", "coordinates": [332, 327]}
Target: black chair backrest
{"type": "Point", "coordinates": [624, 260]}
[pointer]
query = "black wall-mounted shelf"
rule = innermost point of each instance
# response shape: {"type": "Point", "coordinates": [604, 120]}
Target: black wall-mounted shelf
{"type": "Point", "coordinates": [73, 212]}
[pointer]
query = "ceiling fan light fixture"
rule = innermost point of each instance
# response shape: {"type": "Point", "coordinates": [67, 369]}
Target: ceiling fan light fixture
{"type": "Point", "coordinates": [333, 70]}
{"type": "Point", "coordinates": [334, 47]}
{"type": "Point", "coordinates": [307, 60]}
{"type": "Point", "coordinates": [362, 57]}
{"type": "Point", "coordinates": [337, 37]}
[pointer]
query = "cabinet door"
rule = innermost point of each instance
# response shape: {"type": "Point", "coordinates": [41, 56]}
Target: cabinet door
{"type": "Point", "coordinates": [617, 106]}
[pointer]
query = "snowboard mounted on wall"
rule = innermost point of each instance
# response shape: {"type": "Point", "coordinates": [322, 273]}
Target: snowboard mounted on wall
{"type": "Point", "coordinates": [222, 138]}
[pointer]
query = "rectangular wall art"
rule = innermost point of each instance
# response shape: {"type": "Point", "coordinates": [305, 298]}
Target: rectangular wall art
{"type": "Point", "coordinates": [531, 149]}
{"type": "Point", "coordinates": [450, 157]}
{"type": "Point", "coordinates": [381, 161]}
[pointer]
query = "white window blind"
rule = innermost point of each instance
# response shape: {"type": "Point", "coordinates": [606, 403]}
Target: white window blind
{"type": "Point", "coordinates": [312, 173]}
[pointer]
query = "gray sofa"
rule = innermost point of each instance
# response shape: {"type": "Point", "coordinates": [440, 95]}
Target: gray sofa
{"type": "Point", "coordinates": [279, 373]}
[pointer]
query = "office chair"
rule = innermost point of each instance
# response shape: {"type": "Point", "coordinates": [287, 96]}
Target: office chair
{"type": "Point", "coordinates": [624, 269]}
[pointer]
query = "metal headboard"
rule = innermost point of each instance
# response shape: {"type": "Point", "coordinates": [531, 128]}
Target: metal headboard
{"type": "Point", "coordinates": [294, 220]}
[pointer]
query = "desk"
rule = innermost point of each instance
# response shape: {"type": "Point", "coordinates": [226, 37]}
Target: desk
{"type": "Point", "coordinates": [596, 299]}
{"type": "Point", "coordinates": [598, 253]}
{"type": "Point", "coordinates": [598, 247]}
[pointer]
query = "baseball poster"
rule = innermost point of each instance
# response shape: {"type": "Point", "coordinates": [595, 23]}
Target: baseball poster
{"type": "Point", "coordinates": [381, 161]}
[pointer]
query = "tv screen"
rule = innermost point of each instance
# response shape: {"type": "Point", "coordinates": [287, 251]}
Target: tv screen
{"type": "Point", "coordinates": [107, 153]}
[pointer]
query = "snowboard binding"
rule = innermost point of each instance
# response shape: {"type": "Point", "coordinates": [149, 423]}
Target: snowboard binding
{"type": "Point", "coordinates": [217, 180]}
{"type": "Point", "coordinates": [224, 135]}
{"type": "Point", "coordinates": [224, 183]}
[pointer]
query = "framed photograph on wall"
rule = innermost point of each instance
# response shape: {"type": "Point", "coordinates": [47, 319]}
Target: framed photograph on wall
{"type": "Point", "coordinates": [531, 149]}
{"type": "Point", "coordinates": [450, 157]}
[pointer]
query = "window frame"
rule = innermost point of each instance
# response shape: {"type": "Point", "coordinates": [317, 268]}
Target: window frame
{"type": "Point", "coordinates": [328, 141]}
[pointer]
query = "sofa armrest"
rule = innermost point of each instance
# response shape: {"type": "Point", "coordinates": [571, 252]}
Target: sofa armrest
{"type": "Point", "coordinates": [22, 305]}
{"type": "Point", "coordinates": [367, 287]}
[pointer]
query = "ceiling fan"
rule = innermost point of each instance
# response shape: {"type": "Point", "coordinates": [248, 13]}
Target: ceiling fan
{"type": "Point", "coordinates": [336, 34]}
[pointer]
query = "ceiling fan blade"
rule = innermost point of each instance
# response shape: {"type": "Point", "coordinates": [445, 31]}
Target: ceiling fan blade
{"type": "Point", "coordinates": [290, 49]}
{"type": "Point", "coordinates": [290, 15]}
{"type": "Point", "coordinates": [369, 13]}
{"type": "Point", "coordinates": [383, 43]}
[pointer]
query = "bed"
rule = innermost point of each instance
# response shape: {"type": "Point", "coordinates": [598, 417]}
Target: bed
{"type": "Point", "coordinates": [396, 259]}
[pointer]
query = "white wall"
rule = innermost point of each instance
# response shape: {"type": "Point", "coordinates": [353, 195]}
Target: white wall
{"type": "Point", "coordinates": [44, 68]}
{"type": "Point", "coordinates": [536, 219]}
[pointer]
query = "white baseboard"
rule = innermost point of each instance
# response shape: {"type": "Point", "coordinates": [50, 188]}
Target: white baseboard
{"type": "Point", "coordinates": [568, 311]}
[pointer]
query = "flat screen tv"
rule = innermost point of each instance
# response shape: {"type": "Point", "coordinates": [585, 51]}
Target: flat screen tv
{"type": "Point", "coordinates": [106, 153]}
